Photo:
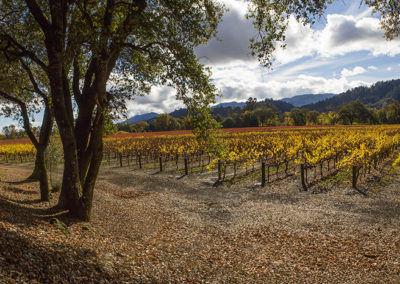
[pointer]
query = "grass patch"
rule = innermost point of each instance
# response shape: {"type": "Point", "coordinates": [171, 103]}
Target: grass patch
{"type": "Point", "coordinates": [341, 177]}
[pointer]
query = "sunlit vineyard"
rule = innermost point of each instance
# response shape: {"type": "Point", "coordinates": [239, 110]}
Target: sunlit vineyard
{"type": "Point", "coordinates": [17, 152]}
{"type": "Point", "coordinates": [277, 153]}
{"type": "Point", "coordinates": [310, 153]}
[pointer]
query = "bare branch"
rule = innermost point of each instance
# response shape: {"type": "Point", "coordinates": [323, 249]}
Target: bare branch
{"type": "Point", "coordinates": [75, 79]}
{"type": "Point", "coordinates": [38, 15]}
{"type": "Point", "coordinates": [33, 81]}
{"type": "Point", "coordinates": [25, 116]}
{"type": "Point", "coordinates": [23, 52]}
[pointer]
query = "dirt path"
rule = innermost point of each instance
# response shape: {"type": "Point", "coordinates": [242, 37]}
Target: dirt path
{"type": "Point", "coordinates": [157, 228]}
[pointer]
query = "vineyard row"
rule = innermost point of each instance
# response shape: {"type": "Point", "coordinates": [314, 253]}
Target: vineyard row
{"type": "Point", "coordinates": [278, 152]}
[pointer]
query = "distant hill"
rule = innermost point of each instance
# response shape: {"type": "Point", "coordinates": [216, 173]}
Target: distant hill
{"type": "Point", "coordinates": [230, 104]}
{"type": "Point", "coordinates": [281, 105]}
{"type": "Point", "coordinates": [141, 117]}
{"type": "Point", "coordinates": [374, 96]}
{"type": "Point", "coordinates": [222, 109]}
{"type": "Point", "coordinates": [301, 100]}
{"type": "Point", "coordinates": [225, 109]}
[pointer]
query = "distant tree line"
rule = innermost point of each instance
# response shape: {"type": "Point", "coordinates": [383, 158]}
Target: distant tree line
{"type": "Point", "coordinates": [163, 122]}
{"type": "Point", "coordinates": [255, 114]}
{"type": "Point", "coordinates": [265, 114]}
{"type": "Point", "coordinates": [11, 131]}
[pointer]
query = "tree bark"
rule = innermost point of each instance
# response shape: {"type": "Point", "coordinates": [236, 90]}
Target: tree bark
{"type": "Point", "coordinates": [40, 171]}
{"type": "Point", "coordinates": [88, 188]}
{"type": "Point", "coordinates": [35, 174]}
{"type": "Point", "coordinates": [44, 139]}
{"type": "Point", "coordinates": [43, 177]}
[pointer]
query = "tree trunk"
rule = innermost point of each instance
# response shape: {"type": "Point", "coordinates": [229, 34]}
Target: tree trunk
{"type": "Point", "coordinates": [40, 170]}
{"type": "Point", "coordinates": [36, 169]}
{"type": "Point", "coordinates": [43, 177]}
{"type": "Point", "coordinates": [71, 188]}
{"type": "Point", "coordinates": [90, 181]}
{"type": "Point", "coordinates": [44, 139]}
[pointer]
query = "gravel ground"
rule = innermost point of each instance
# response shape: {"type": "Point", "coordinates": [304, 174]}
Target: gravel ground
{"type": "Point", "coordinates": [150, 228]}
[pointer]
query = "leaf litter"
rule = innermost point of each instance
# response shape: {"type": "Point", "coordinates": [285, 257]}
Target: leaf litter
{"type": "Point", "coordinates": [156, 229]}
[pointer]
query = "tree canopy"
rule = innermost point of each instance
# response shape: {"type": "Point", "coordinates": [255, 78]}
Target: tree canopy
{"type": "Point", "coordinates": [98, 54]}
{"type": "Point", "coordinates": [271, 19]}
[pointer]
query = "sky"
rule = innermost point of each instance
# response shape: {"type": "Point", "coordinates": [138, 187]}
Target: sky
{"type": "Point", "coordinates": [343, 50]}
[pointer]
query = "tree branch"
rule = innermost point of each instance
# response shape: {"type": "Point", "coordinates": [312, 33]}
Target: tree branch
{"type": "Point", "coordinates": [38, 15]}
{"type": "Point", "coordinates": [23, 51]}
{"type": "Point", "coordinates": [33, 81]}
{"type": "Point", "coordinates": [75, 80]}
{"type": "Point", "coordinates": [25, 116]}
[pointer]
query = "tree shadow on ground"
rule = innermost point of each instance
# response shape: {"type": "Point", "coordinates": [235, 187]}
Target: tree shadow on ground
{"type": "Point", "coordinates": [24, 181]}
{"type": "Point", "coordinates": [26, 258]}
{"type": "Point", "coordinates": [19, 190]}
{"type": "Point", "coordinates": [29, 215]}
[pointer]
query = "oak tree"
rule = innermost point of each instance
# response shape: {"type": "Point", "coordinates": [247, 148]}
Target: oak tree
{"type": "Point", "coordinates": [22, 93]}
{"type": "Point", "coordinates": [98, 54]}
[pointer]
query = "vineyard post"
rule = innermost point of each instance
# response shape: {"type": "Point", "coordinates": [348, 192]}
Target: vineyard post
{"type": "Point", "coordinates": [161, 164]}
{"type": "Point", "coordinates": [306, 174]}
{"type": "Point", "coordinates": [140, 161]}
{"type": "Point", "coordinates": [186, 166]}
{"type": "Point", "coordinates": [120, 159]}
{"type": "Point", "coordinates": [225, 166]}
{"type": "Point", "coordinates": [303, 183]}
{"type": "Point", "coordinates": [219, 170]}
{"type": "Point", "coordinates": [262, 173]}
{"type": "Point", "coordinates": [321, 166]}
{"type": "Point", "coordinates": [355, 176]}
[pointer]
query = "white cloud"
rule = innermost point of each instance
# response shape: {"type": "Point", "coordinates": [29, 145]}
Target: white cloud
{"type": "Point", "coordinates": [277, 89]}
{"type": "Point", "coordinates": [305, 66]}
{"type": "Point", "coordinates": [389, 68]}
{"type": "Point", "coordinates": [232, 42]}
{"type": "Point", "coordinates": [356, 71]}
{"type": "Point", "coordinates": [341, 35]}
{"type": "Point", "coordinates": [161, 100]}
{"type": "Point", "coordinates": [345, 34]}
{"type": "Point", "coordinates": [300, 42]}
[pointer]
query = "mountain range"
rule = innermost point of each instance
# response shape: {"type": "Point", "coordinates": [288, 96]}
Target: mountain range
{"type": "Point", "coordinates": [374, 96]}
{"type": "Point", "coordinates": [223, 109]}
{"type": "Point", "coordinates": [141, 117]}
{"type": "Point", "coordinates": [302, 100]}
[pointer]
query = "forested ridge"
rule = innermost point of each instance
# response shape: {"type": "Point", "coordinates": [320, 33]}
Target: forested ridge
{"type": "Point", "coordinates": [377, 104]}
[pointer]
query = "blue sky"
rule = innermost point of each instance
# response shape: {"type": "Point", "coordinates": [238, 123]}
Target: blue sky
{"type": "Point", "coordinates": [343, 50]}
